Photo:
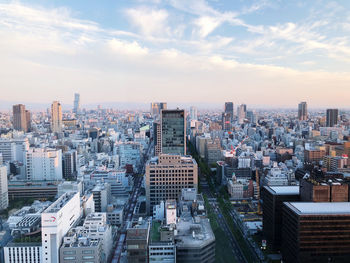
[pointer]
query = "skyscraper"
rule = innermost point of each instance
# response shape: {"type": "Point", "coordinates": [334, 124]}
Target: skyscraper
{"type": "Point", "coordinates": [229, 108]}
{"type": "Point", "coordinates": [76, 108]}
{"type": "Point", "coordinates": [193, 113]}
{"type": "Point", "coordinates": [157, 107]}
{"type": "Point", "coordinates": [20, 114]}
{"type": "Point", "coordinates": [332, 117]}
{"type": "Point", "coordinates": [173, 131]}
{"type": "Point", "coordinates": [167, 176]}
{"type": "Point", "coordinates": [241, 113]}
{"type": "Point", "coordinates": [56, 117]}
{"type": "Point", "coordinates": [302, 111]}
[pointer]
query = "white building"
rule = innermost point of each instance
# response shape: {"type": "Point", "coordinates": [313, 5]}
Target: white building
{"type": "Point", "coordinates": [170, 211]}
{"type": "Point", "coordinates": [276, 177]}
{"type": "Point", "coordinates": [158, 211]}
{"type": "Point", "coordinates": [23, 252]}
{"type": "Point", "coordinates": [56, 221]}
{"type": "Point", "coordinates": [43, 164]}
{"type": "Point", "coordinates": [95, 226]}
{"type": "Point", "coordinates": [21, 145]}
{"type": "Point", "coordinates": [8, 150]}
{"type": "Point", "coordinates": [4, 200]}
{"type": "Point", "coordinates": [129, 153]}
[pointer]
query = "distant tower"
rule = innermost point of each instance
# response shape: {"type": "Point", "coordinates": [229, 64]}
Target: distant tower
{"type": "Point", "coordinates": [229, 109]}
{"type": "Point", "coordinates": [193, 113]}
{"type": "Point", "coordinates": [332, 117]}
{"type": "Point", "coordinates": [241, 113]}
{"type": "Point", "coordinates": [173, 132]}
{"type": "Point", "coordinates": [76, 108]}
{"type": "Point", "coordinates": [56, 117]}
{"type": "Point", "coordinates": [302, 111]}
{"type": "Point", "coordinates": [21, 118]}
{"type": "Point", "coordinates": [157, 107]}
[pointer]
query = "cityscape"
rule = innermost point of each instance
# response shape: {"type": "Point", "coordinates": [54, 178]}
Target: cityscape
{"type": "Point", "coordinates": [174, 131]}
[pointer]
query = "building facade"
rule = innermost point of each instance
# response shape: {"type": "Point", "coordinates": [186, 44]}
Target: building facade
{"type": "Point", "coordinates": [173, 132]}
{"type": "Point", "coordinates": [167, 175]}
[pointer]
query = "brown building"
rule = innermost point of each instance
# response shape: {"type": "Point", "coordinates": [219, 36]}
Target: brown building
{"type": "Point", "coordinates": [316, 232]}
{"type": "Point", "coordinates": [311, 156]}
{"type": "Point", "coordinates": [167, 175]}
{"type": "Point", "coordinates": [21, 118]}
{"type": "Point", "coordinates": [324, 190]}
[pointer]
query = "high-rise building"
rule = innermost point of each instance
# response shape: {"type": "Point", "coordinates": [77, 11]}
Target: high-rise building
{"type": "Point", "coordinates": [273, 198]}
{"type": "Point", "coordinates": [229, 108]}
{"type": "Point", "coordinates": [226, 121]}
{"type": "Point", "coordinates": [69, 164]}
{"type": "Point", "coordinates": [315, 232]}
{"type": "Point", "coordinates": [332, 117]}
{"type": "Point", "coordinates": [241, 113]}
{"type": "Point", "coordinates": [43, 164]}
{"type": "Point", "coordinates": [302, 111]}
{"type": "Point", "coordinates": [56, 117]}
{"type": "Point", "coordinates": [173, 132]}
{"type": "Point", "coordinates": [193, 114]}
{"type": "Point", "coordinates": [21, 118]}
{"type": "Point", "coordinates": [4, 200]}
{"type": "Point", "coordinates": [28, 120]}
{"type": "Point", "coordinates": [56, 221]}
{"type": "Point", "coordinates": [76, 108]}
{"type": "Point", "coordinates": [167, 175]}
{"type": "Point", "coordinates": [157, 138]}
{"type": "Point", "coordinates": [157, 107]}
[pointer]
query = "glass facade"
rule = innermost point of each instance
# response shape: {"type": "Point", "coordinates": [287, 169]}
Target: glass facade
{"type": "Point", "coordinates": [173, 132]}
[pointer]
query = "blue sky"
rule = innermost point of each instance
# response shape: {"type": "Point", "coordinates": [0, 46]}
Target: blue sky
{"type": "Point", "coordinates": [262, 52]}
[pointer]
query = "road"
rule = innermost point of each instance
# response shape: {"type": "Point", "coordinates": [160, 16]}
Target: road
{"type": "Point", "coordinates": [129, 210]}
{"type": "Point", "coordinates": [236, 250]}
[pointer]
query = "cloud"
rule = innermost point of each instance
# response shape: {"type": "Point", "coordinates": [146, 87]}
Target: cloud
{"type": "Point", "coordinates": [150, 22]}
{"type": "Point", "coordinates": [127, 48]}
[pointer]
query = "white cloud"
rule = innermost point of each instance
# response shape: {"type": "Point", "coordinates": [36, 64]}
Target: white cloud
{"type": "Point", "coordinates": [150, 22]}
{"type": "Point", "coordinates": [206, 25]}
{"type": "Point", "coordinates": [127, 48]}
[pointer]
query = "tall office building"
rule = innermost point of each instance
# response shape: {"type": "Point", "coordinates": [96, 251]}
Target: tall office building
{"type": "Point", "coordinates": [76, 108]}
{"type": "Point", "coordinates": [193, 114]}
{"type": "Point", "coordinates": [69, 164]}
{"type": "Point", "coordinates": [273, 198]}
{"type": "Point", "coordinates": [56, 117]}
{"type": "Point", "coordinates": [43, 164]}
{"type": "Point", "coordinates": [241, 113]}
{"type": "Point", "coordinates": [28, 120]}
{"type": "Point", "coordinates": [20, 116]}
{"type": "Point", "coordinates": [4, 200]}
{"type": "Point", "coordinates": [315, 232]}
{"type": "Point", "coordinates": [157, 138]}
{"type": "Point", "coordinates": [166, 176]}
{"type": "Point", "coordinates": [173, 131]}
{"type": "Point", "coordinates": [332, 117]}
{"type": "Point", "coordinates": [226, 121]}
{"type": "Point", "coordinates": [229, 108]}
{"type": "Point", "coordinates": [157, 107]}
{"type": "Point", "coordinates": [302, 111]}
{"type": "Point", "coordinates": [56, 221]}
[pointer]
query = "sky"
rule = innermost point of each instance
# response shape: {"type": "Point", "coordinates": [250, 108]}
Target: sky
{"type": "Point", "coordinates": [203, 52]}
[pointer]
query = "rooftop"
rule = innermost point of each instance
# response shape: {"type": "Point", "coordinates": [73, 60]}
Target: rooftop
{"type": "Point", "coordinates": [310, 208]}
{"type": "Point", "coordinates": [283, 190]}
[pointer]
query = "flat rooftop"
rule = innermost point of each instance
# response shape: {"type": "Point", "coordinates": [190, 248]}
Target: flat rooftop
{"type": "Point", "coordinates": [60, 202]}
{"type": "Point", "coordinates": [328, 208]}
{"type": "Point", "coordinates": [283, 190]}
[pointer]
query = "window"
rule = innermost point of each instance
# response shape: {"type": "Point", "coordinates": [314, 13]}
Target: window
{"type": "Point", "coordinates": [69, 252]}
{"type": "Point", "coordinates": [69, 258]}
{"type": "Point", "coordinates": [88, 252]}
{"type": "Point", "coordinates": [88, 257]}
